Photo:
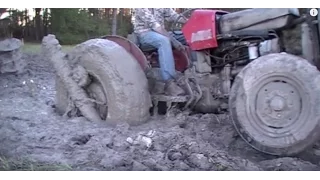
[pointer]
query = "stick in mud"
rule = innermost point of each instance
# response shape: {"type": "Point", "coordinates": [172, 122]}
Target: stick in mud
{"type": "Point", "coordinates": [52, 49]}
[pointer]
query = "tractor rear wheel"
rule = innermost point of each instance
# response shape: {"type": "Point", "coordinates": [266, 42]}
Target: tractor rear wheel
{"type": "Point", "coordinates": [117, 84]}
{"type": "Point", "coordinates": [274, 104]}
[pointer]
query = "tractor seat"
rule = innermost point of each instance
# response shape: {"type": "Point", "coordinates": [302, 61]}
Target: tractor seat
{"type": "Point", "coordinates": [134, 38]}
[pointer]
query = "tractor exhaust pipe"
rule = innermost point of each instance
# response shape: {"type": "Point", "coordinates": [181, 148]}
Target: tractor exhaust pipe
{"type": "Point", "coordinates": [310, 40]}
{"type": "Point", "coordinates": [307, 43]}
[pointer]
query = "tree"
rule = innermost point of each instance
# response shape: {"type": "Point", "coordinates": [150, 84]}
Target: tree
{"type": "Point", "coordinates": [38, 29]}
{"type": "Point", "coordinates": [71, 26]}
{"type": "Point", "coordinates": [114, 21]}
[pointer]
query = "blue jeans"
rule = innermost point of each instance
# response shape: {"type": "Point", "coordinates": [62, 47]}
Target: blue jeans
{"type": "Point", "coordinates": [164, 47]}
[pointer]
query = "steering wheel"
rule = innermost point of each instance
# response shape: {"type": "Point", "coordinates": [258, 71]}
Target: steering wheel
{"type": "Point", "coordinates": [181, 15]}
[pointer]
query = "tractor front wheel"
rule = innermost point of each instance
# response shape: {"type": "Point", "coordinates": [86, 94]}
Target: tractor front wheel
{"type": "Point", "coordinates": [274, 104]}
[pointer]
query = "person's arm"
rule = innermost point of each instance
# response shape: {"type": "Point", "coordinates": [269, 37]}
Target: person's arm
{"type": "Point", "coordinates": [147, 17]}
{"type": "Point", "coordinates": [171, 16]}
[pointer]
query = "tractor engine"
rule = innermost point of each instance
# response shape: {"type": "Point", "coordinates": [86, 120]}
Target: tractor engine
{"type": "Point", "coordinates": [224, 43]}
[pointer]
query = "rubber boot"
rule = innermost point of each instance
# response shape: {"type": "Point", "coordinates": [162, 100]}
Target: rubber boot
{"type": "Point", "coordinates": [172, 89]}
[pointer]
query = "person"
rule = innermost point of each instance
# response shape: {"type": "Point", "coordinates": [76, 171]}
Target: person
{"type": "Point", "coordinates": [148, 24]}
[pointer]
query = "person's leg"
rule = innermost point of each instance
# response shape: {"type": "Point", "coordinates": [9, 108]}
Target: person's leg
{"type": "Point", "coordinates": [164, 47]}
{"type": "Point", "coordinates": [166, 60]}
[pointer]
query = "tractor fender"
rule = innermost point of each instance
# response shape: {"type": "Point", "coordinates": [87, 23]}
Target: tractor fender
{"type": "Point", "coordinates": [130, 47]}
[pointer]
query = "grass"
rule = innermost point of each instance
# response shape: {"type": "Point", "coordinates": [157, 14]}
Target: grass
{"type": "Point", "coordinates": [27, 165]}
{"type": "Point", "coordinates": [36, 47]}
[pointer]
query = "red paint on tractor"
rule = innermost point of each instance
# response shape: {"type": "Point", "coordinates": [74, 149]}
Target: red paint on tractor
{"type": "Point", "coordinates": [181, 60]}
{"type": "Point", "coordinates": [201, 29]}
{"type": "Point", "coordinates": [132, 48]}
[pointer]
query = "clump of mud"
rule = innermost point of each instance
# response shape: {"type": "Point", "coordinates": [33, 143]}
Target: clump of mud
{"type": "Point", "coordinates": [30, 129]}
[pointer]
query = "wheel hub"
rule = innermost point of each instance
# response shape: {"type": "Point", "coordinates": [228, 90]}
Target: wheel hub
{"type": "Point", "coordinates": [277, 103]}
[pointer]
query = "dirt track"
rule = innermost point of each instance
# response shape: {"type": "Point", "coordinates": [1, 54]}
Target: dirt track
{"type": "Point", "coordinates": [29, 128]}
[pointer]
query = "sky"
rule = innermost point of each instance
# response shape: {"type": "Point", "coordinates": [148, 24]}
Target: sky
{"type": "Point", "coordinates": [31, 12]}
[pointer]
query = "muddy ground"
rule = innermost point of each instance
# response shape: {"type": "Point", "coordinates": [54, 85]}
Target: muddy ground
{"type": "Point", "coordinates": [30, 129]}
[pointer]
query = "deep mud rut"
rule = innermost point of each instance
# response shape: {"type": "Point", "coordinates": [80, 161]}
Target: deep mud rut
{"type": "Point", "coordinates": [29, 128]}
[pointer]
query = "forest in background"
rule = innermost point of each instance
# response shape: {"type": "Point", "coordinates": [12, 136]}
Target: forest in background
{"type": "Point", "coordinates": [71, 25]}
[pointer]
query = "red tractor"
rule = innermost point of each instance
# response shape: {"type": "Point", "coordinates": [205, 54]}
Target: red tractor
{"type": "Point", "coordinates": [234, 61]}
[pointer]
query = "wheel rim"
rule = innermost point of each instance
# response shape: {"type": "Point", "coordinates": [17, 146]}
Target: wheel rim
{"type": "Point", "coordinates": [96, 92]}
{"type": "Point", "coordinates": [276, 110]}
{"type": "Point", "coordinates": [278, 104]}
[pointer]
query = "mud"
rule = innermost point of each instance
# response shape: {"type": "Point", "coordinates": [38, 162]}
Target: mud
{"type": "Point", "coordinates": [52, 48]}
{"type": "Point", "coordinates": [30, 128]}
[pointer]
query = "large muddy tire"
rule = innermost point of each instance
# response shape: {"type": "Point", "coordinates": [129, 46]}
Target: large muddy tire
{"type": "Point", "coordinates": [274, 104]}
{"type": "Point", "coordinates": [117, 81]}
{"type": "Point", "coordinates": [11, 59]}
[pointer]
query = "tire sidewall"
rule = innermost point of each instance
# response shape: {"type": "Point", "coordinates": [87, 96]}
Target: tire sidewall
{"type": "Point", "coordinates": [124, 82]}
{"type": "Point", "coordinates": [276, 63]}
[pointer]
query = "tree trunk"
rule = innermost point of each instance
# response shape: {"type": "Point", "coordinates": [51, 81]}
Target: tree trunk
{"type": "Point", "coordinates": [107, 13]}
{"type": "Point", "coordinates": [38, 24]}
{"type": "Point", "coordinates": [26, 21]}
{"type": "Point", "coordinates": [114, 21]}
{"type": "Point", "coordinates": [121, 16]}
{"type": "Point", "coordinates": [45, 21]}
